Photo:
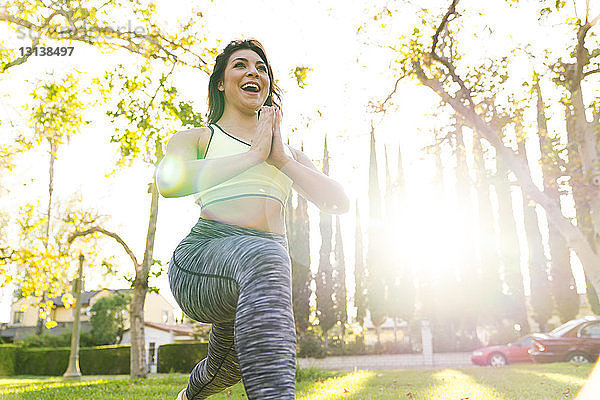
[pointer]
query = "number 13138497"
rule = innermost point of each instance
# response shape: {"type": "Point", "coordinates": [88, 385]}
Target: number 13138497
{"type": "Point", "coordinates": [46, 51]}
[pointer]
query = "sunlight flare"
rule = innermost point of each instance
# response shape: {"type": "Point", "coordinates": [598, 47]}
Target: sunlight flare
{"type": "Point", "coordinates": [338, 388]}
{"type": "Point", "coordinates": [452, 384]}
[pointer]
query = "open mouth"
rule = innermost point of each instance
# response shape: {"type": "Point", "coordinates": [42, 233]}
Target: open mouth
{"type": "Point", "coordinates": [251, 88]}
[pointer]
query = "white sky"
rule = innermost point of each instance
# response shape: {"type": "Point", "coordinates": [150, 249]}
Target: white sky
{"type": "Point", "coordinates": [347, 74]}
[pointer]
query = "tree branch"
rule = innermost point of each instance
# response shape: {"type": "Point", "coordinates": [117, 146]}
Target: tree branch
{"type": "Point", "coordinates": [158, 46]}
{"type": "Point", "coordinates": [465, 92]}
{"type": "Point", "coordinates": [116, 237]}
{"type": "Point", "coordinates": [381, 107]}
{"type": "Point", "coordinates": [593, 71]}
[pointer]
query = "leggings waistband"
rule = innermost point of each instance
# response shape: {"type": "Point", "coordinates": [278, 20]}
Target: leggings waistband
{"type": "Point", "coordinates": [209, 228]}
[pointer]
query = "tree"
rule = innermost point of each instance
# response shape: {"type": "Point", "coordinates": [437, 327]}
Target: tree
{"type": "Point", "coordinates": [299, 239]}
{"type": "Point", "coordinates": [56, 115]}
{"type": "Point", "coordinates": [144, 117]}
{"type": "Point", "coordinates": [467, 267]}
{"type": "Point", "coordinates": [108, 318]}
{"type": "Point", "coordinates": [402, 299]}
{"type": "Point", "coordinates": [491, 284]}
{"type": "Point", "coordinates": [469, 91]}
{"type": "Point", "coordinates": [540, 298]}
{"type": "Point", "coordinates": [376, 285]}
{"type": "Point", "coordinates": [360, 294]}
{"type": "Point", "coordinates": [339, 280]}
{"type": "Point", "coordinates": [324, 279]}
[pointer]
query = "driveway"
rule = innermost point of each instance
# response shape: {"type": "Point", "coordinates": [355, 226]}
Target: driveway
{"type": "Point", "coordinates": [389, 361]}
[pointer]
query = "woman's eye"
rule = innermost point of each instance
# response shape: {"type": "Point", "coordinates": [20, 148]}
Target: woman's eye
{"type": "Point", "coordinates": [238, 65]}
{"type": "Point", "coordinates": [262, 68]}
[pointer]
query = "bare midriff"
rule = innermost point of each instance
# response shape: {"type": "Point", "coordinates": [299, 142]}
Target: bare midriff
{"type": "Point", "coordinates": [261, 213]}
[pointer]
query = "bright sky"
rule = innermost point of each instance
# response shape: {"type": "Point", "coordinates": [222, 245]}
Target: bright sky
{"type": "Point", "coordinates": [347, 74]}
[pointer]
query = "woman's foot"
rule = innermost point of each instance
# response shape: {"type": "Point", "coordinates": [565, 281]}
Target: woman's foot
{"type": "Point", "coordinates": [181, 395]}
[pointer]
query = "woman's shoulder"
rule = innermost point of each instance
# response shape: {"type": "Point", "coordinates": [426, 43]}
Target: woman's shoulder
{"type": "Point", "coordinates": [190, 142]}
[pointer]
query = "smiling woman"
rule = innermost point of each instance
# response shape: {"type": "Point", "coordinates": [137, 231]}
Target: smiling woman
{"type": "Point", "coordinates": [233, 269]}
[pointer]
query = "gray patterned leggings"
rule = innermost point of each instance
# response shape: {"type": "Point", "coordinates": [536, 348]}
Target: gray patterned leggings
{"type": "Point", "coordinates": [239, 280]}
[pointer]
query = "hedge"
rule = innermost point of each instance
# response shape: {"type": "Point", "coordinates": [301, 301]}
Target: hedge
{"type": "Point", "coordinates": [8, 359]}
{"type": "Point", "coordinates": [180, 357]}
{"type": "Point", "coordinates": [102, 360]}
{"type": "Point", "coordinates": [42, 361]}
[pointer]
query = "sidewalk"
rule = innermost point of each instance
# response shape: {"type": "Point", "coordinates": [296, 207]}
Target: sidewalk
{"type": "Point", "coordinates": [388, 361]}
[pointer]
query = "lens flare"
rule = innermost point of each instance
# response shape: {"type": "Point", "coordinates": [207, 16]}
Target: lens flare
{"type": "Point", "coordinates": [170, 173]}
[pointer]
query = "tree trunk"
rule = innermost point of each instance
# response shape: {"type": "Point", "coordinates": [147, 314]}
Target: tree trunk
{"type": "Point", "coordinates": [509, 248]}
{"type": "Point", "coordinates": [541, 302]}
{"type": "Point", "coordinates": [490, 291]}
{"type": "Point", "coordinates": [138, 362]}
{"type": "Point", "coordinates": [467, 266]}
{"type": "Point", "coordinates": [50, 188]}
{"type": "Point", "coordinates": [584, 132]}
{"type": "Point", "coordinates": [565, 297]}
{"type": "Point", "coordinates": [40, 323]}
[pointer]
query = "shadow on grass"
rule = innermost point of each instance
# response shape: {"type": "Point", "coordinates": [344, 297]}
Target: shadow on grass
{"type": "Point", "coordinates": [546, 381]}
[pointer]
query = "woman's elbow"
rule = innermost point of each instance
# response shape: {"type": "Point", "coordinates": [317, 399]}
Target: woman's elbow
{"type": "Point", "coordinates": [340, 205]}
{"type": "Point", "coordinates": [169, 177]}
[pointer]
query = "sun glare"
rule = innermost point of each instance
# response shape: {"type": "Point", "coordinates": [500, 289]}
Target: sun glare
{"type": "Point", "coordinates": [337, 388]}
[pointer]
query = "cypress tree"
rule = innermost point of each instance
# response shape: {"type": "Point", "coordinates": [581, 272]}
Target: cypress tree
{"type": "Point", "coordinates": [339, 280]}
{"type": "Point", "coordinates": [360, 289]}
{"type": "Point", "coordinates": [401, 283]}
{"type": "Point", "coordinates": [376, 287]}
{"type": "Point", "coordinates": [324, 278]}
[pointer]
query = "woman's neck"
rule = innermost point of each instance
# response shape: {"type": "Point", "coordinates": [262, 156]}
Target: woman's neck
{"type": "Point", "coordinates": [239, 124]}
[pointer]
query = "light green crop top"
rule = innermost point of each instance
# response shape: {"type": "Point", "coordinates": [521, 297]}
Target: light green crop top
{"type": "Point", "coordinates": [262, 180]}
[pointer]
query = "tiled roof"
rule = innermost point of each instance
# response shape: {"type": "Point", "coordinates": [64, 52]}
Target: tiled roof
{"type": "Point", "coordinates": [85, 298]}
{"type": "Point", "coordinates": [178, 329]}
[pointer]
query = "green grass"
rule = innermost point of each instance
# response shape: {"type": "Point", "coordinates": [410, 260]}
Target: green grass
{"type": "Point", "coordinates": [518, 382]}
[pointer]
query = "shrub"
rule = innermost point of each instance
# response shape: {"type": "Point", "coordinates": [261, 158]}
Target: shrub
{"type": "Point", "coordinates": [105, 360]}
{"type": "Point", "coordinates": [180, 357]}
{"type": "Point", "coordinates": [47, 339]}
{"type": "Point", "coordinates": [8, 358]}
{"type": "Point", "coordinates": [311, 345]}
{"type": "Point", "coordinates": [312, 374]}
{"type": "Point", "coordinates": [42, 361]}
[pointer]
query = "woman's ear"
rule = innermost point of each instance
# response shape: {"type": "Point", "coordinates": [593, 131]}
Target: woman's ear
{"type": "Point", "coordinates": [220, 86]}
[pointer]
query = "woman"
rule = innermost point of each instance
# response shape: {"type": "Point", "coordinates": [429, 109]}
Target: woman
{"type": "Point", "coordinates": [233, 269]}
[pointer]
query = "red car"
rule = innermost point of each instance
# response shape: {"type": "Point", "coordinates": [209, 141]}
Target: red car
{"type": "Point", "coordinates": [576, 341]}
{"type": "Point", "coordinates": [497, 356]}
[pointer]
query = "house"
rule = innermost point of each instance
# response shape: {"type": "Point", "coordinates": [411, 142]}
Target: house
{"type": "Point", "coordinates": [24, 316]}
{"type": "Point", "coordinates": [156, 334]}
{"type": "Point", "coordinates": [387, 333]}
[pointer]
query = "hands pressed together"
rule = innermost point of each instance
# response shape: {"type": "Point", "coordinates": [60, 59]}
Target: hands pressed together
{"type": "Point", "coordinates": [267, 142]}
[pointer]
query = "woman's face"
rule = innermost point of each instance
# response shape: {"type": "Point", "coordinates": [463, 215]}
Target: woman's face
{"type": "Point", "coordinates": [246, 81]}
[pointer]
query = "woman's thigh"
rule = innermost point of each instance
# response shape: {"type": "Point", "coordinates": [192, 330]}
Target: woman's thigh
{"type": "Point", "coordinates": [206, 274]}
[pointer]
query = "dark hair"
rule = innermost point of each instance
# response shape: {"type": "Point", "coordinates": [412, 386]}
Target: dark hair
{"type": "Point", "coordinates": [216, 100]}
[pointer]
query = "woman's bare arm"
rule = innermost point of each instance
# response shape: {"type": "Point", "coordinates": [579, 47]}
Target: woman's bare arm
{"type": "Point", "coordinates": [180, 173]}
{"type": "Point", "coordinates": [313, 185]}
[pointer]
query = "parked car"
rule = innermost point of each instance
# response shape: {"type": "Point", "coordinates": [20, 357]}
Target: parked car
{"type": "Point", "coordinates": [497, 356]}
{"type": "Point", "coordinates": [576, 341]}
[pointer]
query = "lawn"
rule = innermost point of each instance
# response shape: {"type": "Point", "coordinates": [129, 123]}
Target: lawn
{"type": "Point", "coordinates": [518, 382]}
